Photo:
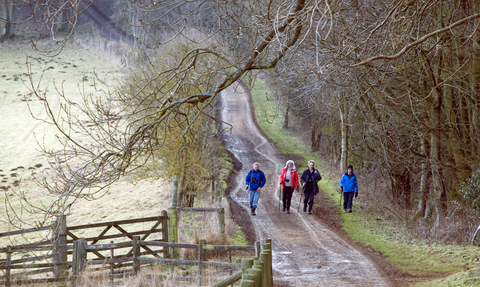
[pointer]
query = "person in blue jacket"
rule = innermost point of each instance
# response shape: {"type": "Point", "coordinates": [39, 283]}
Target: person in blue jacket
{"type": "Point", "coordinates": [349, 187]}
{"type": "Point", "coordinates": [255, 180]}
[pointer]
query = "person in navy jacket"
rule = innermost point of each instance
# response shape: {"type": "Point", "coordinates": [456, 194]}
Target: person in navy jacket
{"type": "Point", "coordinates": [349, 186]}
{"type": "Point", "coordinates": [255, 180]}
{"type": "Point", "coordinates": [309, 180]}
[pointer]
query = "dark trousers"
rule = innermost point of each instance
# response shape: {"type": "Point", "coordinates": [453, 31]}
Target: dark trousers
{"type": "Point", "coordinates": [287, 197]}
{"type": "Point", "coordinates": [348, 199]}
{"type": "Point", "coordinates": [309, 196]}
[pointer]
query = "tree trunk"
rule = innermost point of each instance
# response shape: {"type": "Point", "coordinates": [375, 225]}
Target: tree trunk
{"type": "Point", "coordinates": [62, 16]}
{"type": "Point", "coordinates": [3, 8]}
{"type": "Point", "coordinates": [344, 129]}
{"type": "Point", "coordinates": [316, 136]}
{"type": "Point", "coordinates": [9, 16]}
{"type": "Point", "coordinates": [436, 135]}
{"type": "Point", "coordinates": [424, 189]}
{"type": "Point", "coordinates": [182, 184]}
{"type": "Point", "coordinates": [285, 119]}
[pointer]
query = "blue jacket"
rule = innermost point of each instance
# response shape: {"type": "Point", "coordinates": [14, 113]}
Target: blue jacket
{"type": "Point", "coordinates": [349, 183]}
{"type": "Point", "coordinates": [255, 179]}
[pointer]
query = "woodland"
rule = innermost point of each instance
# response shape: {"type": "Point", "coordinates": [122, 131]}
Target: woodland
{"type": "Point", "coordinates": [392, 87]}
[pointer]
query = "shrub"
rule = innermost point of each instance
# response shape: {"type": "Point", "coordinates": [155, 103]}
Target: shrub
{"type": "Point", "coordinates": [469, 196]}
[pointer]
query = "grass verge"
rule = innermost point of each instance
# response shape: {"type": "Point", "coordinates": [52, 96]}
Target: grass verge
{"type": "Point", "coordinates": [429, 264]}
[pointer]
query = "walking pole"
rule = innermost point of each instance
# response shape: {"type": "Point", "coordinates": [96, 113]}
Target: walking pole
{"type": "Point", "coordinates": [341, 199]}
{"type": "Point", "coordinates": [300, 202]}
{"type": "Point", "coordinates": [279, 195]}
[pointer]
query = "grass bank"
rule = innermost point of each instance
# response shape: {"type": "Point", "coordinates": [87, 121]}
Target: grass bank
{"type": "Point", "coordinates": [427, 263]}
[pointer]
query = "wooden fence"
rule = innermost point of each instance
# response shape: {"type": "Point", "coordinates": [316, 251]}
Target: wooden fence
{"type": "Point", "coordinates": [50, 256]}
{"type": "Point", "coordinates": [137, 251]}
{"type": "Point", "coordinates": [258, 272]}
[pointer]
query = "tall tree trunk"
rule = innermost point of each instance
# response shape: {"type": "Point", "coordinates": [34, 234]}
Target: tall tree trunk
{"type": "Point", "coordinates": [436, 135]}
{"type": "Point", "coordinates": [182, 186]}
{"type": "Point", "coordinates": [424, 189]}
{"type": "Point", "coordinates": [9, 16]}
{"type": "Point", "coordinates": [285, 119]}
{"type": "Point", "coordinates": [62, 16]}
{"type": "Point", "coordinates": [344, 129]}
{"type": "Point", "coordinates": [316, 136]}
{"type": "Point", "coordinates": [474, 100]}
{"type": "Point", "coordinates": [4, 10]}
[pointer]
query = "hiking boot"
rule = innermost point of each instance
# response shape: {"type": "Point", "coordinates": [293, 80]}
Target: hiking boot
{"type": "Point", "coordinates": [305, 208]}
{"type": "Point", "coordinates": [344, 211]}
{"type": "Point", "coordinates": [284, 209]}
{"type": "Point", "coordinates": [350, 211]}
{"type": "Point", "coordinates": [288, 210]}
{"type": "Point", "coordinates": [253, 211]}
{"type": "Point", "coordinates": [309, 212]}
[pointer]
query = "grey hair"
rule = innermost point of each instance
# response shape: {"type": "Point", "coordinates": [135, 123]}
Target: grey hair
{"type": "Point", "coordinates": [311, 161]}
{"type": "Point", "coordinates": [290, 161]}
{"type": "Point", "coordinates": [256, 163]}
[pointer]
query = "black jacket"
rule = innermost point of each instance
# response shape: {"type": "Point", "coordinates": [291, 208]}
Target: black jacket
{"type": "Point", "coordinates": [315, 177]}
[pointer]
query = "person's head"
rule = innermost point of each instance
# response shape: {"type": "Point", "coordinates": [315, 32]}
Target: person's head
{"type": "Point", "coordinates": [290, 164]}
{"type": "Point", "coordinates": [256, 166]}
{"type": "Point", "coordinates": [349, 169]}
{"type": "Point", "coordinates": [311, 164]}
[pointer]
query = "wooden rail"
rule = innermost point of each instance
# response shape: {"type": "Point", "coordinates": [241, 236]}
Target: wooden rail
{"type": "Point", "coordinates": [255, 270]}
{"type": "Point", "coordinates": [81, 249]}
{"type": "Point", "coordinates": [52, 256]}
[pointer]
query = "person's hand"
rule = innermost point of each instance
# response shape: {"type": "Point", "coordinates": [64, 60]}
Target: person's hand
{"type": "Point", "coordinates": [297, 188]}
{"type": "Point", "coordinates": [259, 188]}
{"type": "Point", "coordinates": [281, 182]}
{"type": "Point", "coordinates": [356, 194]}
{"type": "Point", "coordinates": [303, 184]}
{"type": "Point", "coordinates": [246, 187]}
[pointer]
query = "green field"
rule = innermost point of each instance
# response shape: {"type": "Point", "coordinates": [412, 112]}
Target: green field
{"type": "Point", "coordinates": [74, 72]}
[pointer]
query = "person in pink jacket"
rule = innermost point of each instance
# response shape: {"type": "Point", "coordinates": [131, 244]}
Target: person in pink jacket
{"type": "Point", "coordinates": [289, 181]}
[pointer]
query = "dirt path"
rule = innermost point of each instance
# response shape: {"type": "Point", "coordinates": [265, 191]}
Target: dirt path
{"type": "Point", "coordinates": [306, 252]}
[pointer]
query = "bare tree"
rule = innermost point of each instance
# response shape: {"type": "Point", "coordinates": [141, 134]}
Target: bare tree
{"type": "Point", "coordinates": [164, 108]}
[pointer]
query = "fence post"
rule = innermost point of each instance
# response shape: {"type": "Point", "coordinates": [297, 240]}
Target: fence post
{"type": "Point", "coordinates": [269, 272]}
{"type": "Point", "coordinates": [229, 259]}
{"type": "Point", "coordinates": [221, 221]}
{"type": "Point", "coordinates": [214, 193]}
{"type": "Point", "coordinates": [59, 246]}
{"type": "Point", "coordinates": [266, 257]}
{"type": "Point", "coordinates": [257, 276]}
{"type": "Point", "coordinates": [164, 215]}
{"type": "Point", "coordinates": [112, 265]}
{"type": "Point", "coordinates": [246, 263]}
{"type": "Point", "coordinates": [79, 258]}
{"type": "Point", "coordinates": [203, 252]}
{"type": "Point", "coordinates": [201, 257]}
{"type": "Point", "coordinates": [257, 249]}
{"type": "Point", "coordinates": [136, 254]}
{"type": "Point", "coordinates": [260, 266]}
{"type": "Point", "coordinates": [248, 276]}
{"type": "Point", "coordinates": [172, 255]}
{"type": "Point", "coordinates": [172, 215]}
{"type": "Point", "coordinates": [247, 283]}
{"type": "Point", "coordinates": [7, 270]}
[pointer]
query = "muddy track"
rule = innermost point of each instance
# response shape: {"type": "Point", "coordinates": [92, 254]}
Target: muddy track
{"type": "Point", "coordinates": [308, 250]}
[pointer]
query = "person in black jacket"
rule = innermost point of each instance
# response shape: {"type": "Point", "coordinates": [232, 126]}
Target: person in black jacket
{"type": "Point", "coordinates": [309, 180]}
